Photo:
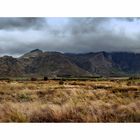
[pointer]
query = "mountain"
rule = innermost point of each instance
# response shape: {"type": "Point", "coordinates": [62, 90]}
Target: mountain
{"type": "Point", "coordinates": [10, 66]}
{"type": "Point", "coordinates": [95, 63]}
{"type": "Point", "coordinates": [108, 64]}
{"type": "Point", "coordinates": [39, 63]}
{"type": "Point", "coordinates": [33, 53]}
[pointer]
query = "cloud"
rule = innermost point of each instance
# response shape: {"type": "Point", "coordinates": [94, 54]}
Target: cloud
{"type": "Point", "coordinates": [21, 23]}
{"type": "Point", "coordinates": [102, 34]}
{"type": "Point", "coordinates": [76, 35]}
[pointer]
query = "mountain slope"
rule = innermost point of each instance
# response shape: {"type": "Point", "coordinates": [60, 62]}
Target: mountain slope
{"type": "Point", "coordinates": [108, 64]}
{"type": "Point", "coordinates": [10, 66]}
{"type": "Point", "coordinates": [39, 63]}
{"type": "Point", "coordinates": [50, 63]}
{"type": "Point", "coordinates": [96, 63]}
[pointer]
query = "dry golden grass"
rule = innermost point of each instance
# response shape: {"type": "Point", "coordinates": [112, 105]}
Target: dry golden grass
{"type": "Point", "coordinates": [73, 101]}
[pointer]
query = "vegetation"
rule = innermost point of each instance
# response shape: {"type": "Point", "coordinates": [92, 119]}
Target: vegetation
{"type": "Point", "coordinates": [72, 101]}
{"type": "Point", "coordinates": [33, 79]}
{"type": "Point", "coordinates": [61, 82]}
{"type": "Point", "coordinates": [45, 78]}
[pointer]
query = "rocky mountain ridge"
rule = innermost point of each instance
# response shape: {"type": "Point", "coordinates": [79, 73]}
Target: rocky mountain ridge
{"type": "Point", "coordinates": [39, 63]}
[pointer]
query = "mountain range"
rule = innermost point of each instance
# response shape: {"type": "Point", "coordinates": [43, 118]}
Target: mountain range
{"type": "Point", "coordinates": [56, 64]}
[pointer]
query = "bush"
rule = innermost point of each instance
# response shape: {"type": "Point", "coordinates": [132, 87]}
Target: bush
{"type": "Point", "coordinates": [33, 79]}
{"type": "Point", "coordinates": [134, 78]}
{"type": "Point", "coordinates": [45, 78]}
{"type": "Point", "coordinates": [61, 82]}
{"type": "Point", "coordinates": [4, 79]}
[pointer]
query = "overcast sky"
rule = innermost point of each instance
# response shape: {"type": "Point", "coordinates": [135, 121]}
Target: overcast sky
{"type": "Point", "coordinates": [75, 35]}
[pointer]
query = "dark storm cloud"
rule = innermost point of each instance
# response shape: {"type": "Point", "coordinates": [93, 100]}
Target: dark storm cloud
{"type": "Point", "coordinates": [85, 25]}
{"type": "Point", "coordinates": [78, 35]}
{"type": "Point", "coordinates": [94, 34]}
{"type": "Point", "coordinates": [22, 23]}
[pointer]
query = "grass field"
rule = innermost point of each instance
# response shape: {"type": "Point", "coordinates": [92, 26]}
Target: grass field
{"type": "Point", "coordinates": [70, 101]}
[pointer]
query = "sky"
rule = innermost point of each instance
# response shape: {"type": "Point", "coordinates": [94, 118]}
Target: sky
{"type": "Point", "coordinates": [69, 35]}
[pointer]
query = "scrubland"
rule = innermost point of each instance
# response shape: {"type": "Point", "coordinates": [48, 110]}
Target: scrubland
{"type": "Point", "coordinates": [70, 101]}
